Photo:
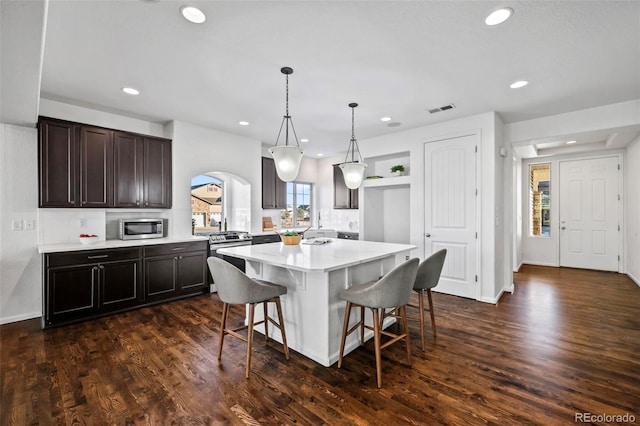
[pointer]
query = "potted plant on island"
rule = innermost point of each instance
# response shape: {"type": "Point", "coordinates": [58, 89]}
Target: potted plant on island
{"type": "Point", "coordinates": [291, 238]}
{"type": "Point", "coordinates": [397, 170]}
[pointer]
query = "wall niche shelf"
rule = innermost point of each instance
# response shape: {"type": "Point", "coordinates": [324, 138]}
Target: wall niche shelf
{"type": "Point", "coordinates": [385, 203]}
{"type": "Point", "coordinates": [387, 182]}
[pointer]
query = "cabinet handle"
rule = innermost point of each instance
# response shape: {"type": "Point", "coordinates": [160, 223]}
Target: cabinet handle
{"type": "Point", "coordinates": [101, 267]}
{"type": "Point", "coordinates": [100, 256]}
{"type": "Point", "coordinates": [95, 268]}
{"type": "Point", "coordinates": [428, 235]}
{"type": "Point", "coordinates": [177, 248]}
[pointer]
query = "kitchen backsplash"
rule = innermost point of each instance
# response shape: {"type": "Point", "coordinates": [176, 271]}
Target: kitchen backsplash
{"type": "Point", "coordinates": [60, 226]}
{"type": "Point", "coordinates": [340, 220]}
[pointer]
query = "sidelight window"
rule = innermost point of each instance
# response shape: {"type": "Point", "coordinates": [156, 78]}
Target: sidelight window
{"type": "Point", "coordinates": [540, 199]}
{"type": "Point", "coordinates": [298, 211]}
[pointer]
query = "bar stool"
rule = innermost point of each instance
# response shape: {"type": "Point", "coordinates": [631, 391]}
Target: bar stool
{"type": "Point", "coordinates": [393, 290]}
{"type": "Point", "coordinates": [236, 288]}
{"type": "Point", "coordinates": [427, 278]}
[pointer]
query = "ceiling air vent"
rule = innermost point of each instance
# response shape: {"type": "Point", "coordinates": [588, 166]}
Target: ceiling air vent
{"type": "Point", "coordinates": [442, 108]}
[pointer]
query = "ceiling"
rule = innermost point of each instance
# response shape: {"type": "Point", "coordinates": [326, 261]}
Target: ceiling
{"type": "Point", "coordinates": [395, 58]}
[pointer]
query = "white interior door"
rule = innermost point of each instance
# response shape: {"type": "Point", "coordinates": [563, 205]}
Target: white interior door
{"type": "Point", "coordinates": [589, 213]}
{"type": "Point", "coordinates": [450, 212]}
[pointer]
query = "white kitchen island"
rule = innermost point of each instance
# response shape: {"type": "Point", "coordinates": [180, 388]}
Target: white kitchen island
{"type": "Point", "coordinates": [315, 275]}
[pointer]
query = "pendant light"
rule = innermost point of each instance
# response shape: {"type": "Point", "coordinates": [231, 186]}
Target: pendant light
{"type": "Point", "coordinates": [287, 157]}
{"type": "Point", "coordinates": [353, 170]}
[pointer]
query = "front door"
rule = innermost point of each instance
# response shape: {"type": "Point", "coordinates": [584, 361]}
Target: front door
{"type": "Point", "coordinates": [589, 213]}
{"type": "Point", "coordinates": [451, 211]}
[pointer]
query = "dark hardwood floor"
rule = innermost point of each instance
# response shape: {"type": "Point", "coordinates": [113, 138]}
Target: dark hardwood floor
{"type": "Point", "coordinates": [566, 342]}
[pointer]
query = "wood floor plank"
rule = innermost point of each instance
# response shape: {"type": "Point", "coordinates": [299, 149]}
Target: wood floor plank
{"type": "Point", "coordinates": [566, 341]}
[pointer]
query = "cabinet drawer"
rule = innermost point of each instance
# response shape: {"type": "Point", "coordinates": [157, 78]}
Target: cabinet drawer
{"type": "Point", "coordinates": [175, 248]}
{"type": "Point", "coordinates": [90, 256]}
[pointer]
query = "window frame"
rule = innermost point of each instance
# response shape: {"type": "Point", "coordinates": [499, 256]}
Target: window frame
{"type": "Point", "coordinates": [294, 223]}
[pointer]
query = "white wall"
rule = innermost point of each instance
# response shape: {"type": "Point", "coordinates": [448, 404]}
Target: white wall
{"type": "Point", "coordinates": [632, 211]}
{"type": "Point", "coordinates": [484, 126]}
{"type": "Point", "coordinates": [20, 263]}
{"type": "Point", "coordinates": [197, 150]}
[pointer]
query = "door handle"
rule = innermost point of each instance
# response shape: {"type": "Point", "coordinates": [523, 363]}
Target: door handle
{"type": "Point", "coordinates": [563, 227]}
{"type": "Point", "coordinates": [428, 235]}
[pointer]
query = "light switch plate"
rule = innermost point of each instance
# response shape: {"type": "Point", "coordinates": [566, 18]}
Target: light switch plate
{"type": "Point", "coordinates": [29, 225]}
{"type": "Point", "coordinates": [16, 225]}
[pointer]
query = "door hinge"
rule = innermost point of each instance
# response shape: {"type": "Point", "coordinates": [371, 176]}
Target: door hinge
{"type": "Point", "coordinates": [618, 166]}
{"type": "Point", "coordinates": [476, 148]}
{"type": "Point", "coordinates": [476, 192]}
{"type": "Point", "coordinates": [618, 227]}
{"type": "Point", "coordinates": [618, 258]}
{"type": "Point", "coordinates": [476, 278]}
{"type": "Point", "coordinates": [476, 235]}
{"type": "Point", "coordinates": [618, 197]}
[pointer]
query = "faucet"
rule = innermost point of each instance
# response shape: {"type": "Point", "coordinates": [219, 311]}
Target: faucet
{"type": "Point", "coordinates": [319, 225]}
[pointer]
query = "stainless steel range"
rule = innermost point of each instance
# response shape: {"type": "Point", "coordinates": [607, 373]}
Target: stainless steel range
{"type": "Point", "coordinates": [224, 239]}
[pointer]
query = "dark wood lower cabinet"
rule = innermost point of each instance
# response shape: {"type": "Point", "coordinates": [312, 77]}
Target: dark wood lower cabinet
{"type": "Point", "coordinates": [175, 270]}
{"type": "Point", "coordinates": [91, 283]}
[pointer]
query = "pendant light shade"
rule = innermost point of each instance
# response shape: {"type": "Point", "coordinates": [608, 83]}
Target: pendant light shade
{"type": "Point", "coordinates": [353, 173]}
{"type": "Point", "coordinates": [287, 157]}
{"type": "Point", "coordinates": [353, 170]}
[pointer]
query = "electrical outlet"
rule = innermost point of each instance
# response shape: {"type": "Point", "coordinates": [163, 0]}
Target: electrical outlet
{"type": "Point", "coordinates": [29, 225]}
{"type": "Point", "coordinates": [16, 225]}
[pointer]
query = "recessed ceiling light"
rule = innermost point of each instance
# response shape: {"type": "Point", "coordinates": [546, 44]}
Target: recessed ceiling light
{"type": "Point", "coordinates": [320, 155]}
{"type": "Point", "coordinates": [130, 91]}
{"type": "Point", "coordinates": [385, 119]}
{"type": "Point", "coordinates": [518, 84]}
{"type": "Point", "coordinates": [304, 140]}
{"type": "Point", "coordinates": [570, 142]}
{"type": "Point", "coordinates": [193, 14]}
{"type": "Point", "coordinates": [243, 123]}
{"type": "Point", "coordinates": [499, 16]}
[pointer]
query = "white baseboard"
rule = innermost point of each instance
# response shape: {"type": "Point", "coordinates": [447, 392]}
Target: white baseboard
{"type": "Point", "coordinates": [511, 289]}
{"type": "Point", "coordinates": [20, 317]}
{"type": "Point", "coordinates": [492, 300]}
{"type": "Point", "coordinates": [634, 279]}
{"type": "Point", "coordinates": [518, 267]}
{"type": "Point", "coordinates": [553, 265]}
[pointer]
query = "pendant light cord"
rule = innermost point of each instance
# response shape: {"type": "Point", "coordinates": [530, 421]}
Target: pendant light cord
{"type": "Point", "coordinates": [287, 117]}
{"type": "Point", "coordinates": [353, 144]}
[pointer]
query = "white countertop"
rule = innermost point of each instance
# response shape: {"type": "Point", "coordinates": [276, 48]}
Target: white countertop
{"type": "Point", "coordinates": [337, 254]}
{"type": "Point", "coordinates": [109, 244]}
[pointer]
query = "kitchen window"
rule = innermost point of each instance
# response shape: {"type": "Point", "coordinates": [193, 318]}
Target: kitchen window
{"type": "Point", "coordinates": [298, 211]}
{"type": "Point", "coordinates": [206, 204]}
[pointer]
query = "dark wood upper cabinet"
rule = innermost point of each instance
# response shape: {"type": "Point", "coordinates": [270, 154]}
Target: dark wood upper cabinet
{"type": "Point", "coordinates": [343, 197]}
{"type": "Point", "coordinates": [88, 166]}
{"type": "Point", "coordinates": [58, 164]}
{"type": "Point", "coordinates": [96, 167]}
{"type": "Point", "coordinates": [274, 190]}
{"type": "Point", "coordinates": [157, 173]}
{"type": "Point", "coordinates": [128, 164]}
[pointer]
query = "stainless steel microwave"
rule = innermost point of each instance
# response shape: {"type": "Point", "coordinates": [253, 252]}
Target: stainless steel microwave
{"type": "Point", "coordinates": [139, 229]}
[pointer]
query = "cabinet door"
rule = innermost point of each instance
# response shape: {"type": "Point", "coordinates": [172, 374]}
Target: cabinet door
{"type": "Point", "coordinates": [120, 284]}
{"type": "Point", "coordinates": [58, 164]}
{"type": "Point", "coordinates": [341, 199]}
{"type": "Point", "coordinates": [160, 277]}
{"type": "Point", "coordinates": [274, 190]}
{"type": "Point", "coordinates": [157, 173]}
{"type": "Point", "coordinates": [192, 271]}
{"type": "Point", "coordinates": [127, 164]}
{"type": "Point", "coordinates": [96, 167]}
{"type": "Point", "coordinates": [71, 292]}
